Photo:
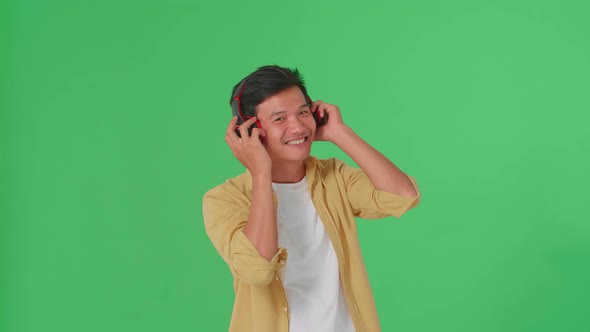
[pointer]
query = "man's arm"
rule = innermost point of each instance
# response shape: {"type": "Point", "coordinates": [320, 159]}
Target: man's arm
{"type": "Point", "coordinates": [381, 171]}
{"type": "Point", "coordinates": [261, 228]}
{"type": "Point", "coordinates": [225, 214]}
{"type": "Point", "coordinates": [245, 233]}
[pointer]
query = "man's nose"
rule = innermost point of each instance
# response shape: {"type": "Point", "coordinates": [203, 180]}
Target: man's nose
{"type": "Point", "coordinates": [296, 125]}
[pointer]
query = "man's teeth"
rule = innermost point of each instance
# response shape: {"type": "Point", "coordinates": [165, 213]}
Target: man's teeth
{"type": "Point", "coordinates": [297, 141]}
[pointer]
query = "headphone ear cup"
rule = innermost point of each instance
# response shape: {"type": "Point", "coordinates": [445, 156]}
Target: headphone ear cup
{"type": "Point", "coordinates": [320, 121]}
{"type": "Point", "coordinates": [235, 104]}
{"type": "Point", "coordinates": [254, 125]}
{"type": "Point", "coordinates": [236, 112]}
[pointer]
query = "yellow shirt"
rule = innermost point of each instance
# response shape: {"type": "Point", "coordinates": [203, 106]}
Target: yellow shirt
{"type": "Point", "coordinates": [339, 193]}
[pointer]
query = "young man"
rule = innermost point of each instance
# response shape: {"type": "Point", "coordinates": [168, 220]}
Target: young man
{"type": "Point", "coordinates": [286, 226]}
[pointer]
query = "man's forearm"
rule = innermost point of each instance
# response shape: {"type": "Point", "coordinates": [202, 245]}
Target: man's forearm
{"type": "Point", "coordinates": [382, 172]}
{"type": "Point", "coordinates": [261, 228]}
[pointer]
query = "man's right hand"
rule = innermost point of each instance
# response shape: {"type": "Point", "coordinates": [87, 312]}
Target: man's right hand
{"type": "Point", "coordinates": [249, 149]}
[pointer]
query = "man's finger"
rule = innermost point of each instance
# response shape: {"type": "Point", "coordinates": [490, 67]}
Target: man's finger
{"type": "Point", "coordinates": [314, 106]}
{"type": "Point", "coordinates": [244, 127]}
{"type": "Point", "coordinates": [258, 133]}
{"type": "Point", "coordinates": [322, 110]}
{"type": "Point", "coordinates": [319, 105]}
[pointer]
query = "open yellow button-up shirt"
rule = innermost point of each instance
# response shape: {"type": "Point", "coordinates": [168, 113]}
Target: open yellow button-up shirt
{"type": "Point", "coordinates": [339, 193]}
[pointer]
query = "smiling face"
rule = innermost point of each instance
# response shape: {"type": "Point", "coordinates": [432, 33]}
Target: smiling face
{"type": "Point", "coordinates": [289, 125]}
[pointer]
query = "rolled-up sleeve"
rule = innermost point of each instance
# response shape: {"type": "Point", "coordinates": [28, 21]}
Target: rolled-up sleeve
{"type": "Point", "coordinates": [369, 202]}
{"type": "Point", "coordinates": [225, 219]}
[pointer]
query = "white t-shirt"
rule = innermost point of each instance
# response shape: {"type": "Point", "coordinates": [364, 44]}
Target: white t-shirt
{"type": "Point", "coordinates": [310, 275]}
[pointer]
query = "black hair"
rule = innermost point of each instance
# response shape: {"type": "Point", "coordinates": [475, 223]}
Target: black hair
{"type": "Point", "coordinates": [265, 82]}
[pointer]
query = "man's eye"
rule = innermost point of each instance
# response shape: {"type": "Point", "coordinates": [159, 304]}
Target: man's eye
{"type": "Point", "coordinates": [304, 112]}
{"type": "Point", "coordinates": [279, 119]}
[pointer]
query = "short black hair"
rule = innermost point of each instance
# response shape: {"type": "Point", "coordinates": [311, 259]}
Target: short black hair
{"type": "Point", "coordinates": [265, 82]}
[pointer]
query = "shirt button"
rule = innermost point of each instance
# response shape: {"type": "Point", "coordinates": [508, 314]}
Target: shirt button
{"type": "Point", "coordinates": [277, 277]}
{"type": "Point", "coordinates": [282, 261]}
{"type": "Point", "coordinates": [285, 309]}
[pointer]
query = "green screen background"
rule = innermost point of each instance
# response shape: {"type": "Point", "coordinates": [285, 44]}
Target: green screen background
{"type": "Point", "coordinates": [113, 119]}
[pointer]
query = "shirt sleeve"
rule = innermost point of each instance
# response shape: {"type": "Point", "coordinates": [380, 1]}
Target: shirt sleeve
{"type": "Point", "coordinates": [225, 218]}
{"type": "Point", "coordinates": [369, 202]}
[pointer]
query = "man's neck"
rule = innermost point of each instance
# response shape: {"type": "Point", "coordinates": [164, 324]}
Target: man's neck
{"type": "Point", "coordinates": [288, 172]}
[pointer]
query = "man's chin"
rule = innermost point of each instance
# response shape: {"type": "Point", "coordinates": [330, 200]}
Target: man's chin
{"type": "Point", "coordinates": [292, 157]}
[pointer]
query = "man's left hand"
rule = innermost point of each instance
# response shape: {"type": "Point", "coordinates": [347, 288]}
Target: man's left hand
{"type": "Point", "coordinates": [334, 125]}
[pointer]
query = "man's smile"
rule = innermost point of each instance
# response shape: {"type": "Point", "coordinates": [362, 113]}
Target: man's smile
{"type": "Point", "coordinates": [297, 141]}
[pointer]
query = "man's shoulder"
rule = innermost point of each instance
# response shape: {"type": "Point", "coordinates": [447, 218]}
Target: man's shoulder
{"type": "Point", "coordinates": [234, 186]}
{"type": "Point", "coordinates": [328, 164]}
{"type": "Point", "coordinates": [328, 169]}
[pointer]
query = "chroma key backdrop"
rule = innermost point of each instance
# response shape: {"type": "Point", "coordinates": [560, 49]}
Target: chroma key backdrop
{"type": "Point", "coordinates": [112, 124]}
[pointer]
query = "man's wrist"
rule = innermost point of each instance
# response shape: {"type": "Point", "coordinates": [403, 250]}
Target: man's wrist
{"type": "Point", "coordinates": [343, 135]}
{"type": "Point", "coordinates": [262, 177]}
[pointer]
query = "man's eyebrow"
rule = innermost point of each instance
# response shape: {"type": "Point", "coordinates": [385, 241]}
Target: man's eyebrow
{"type": "Point", "coordinates": [281, 112]}
{"type": "Point", "coordinates": [276, 113]}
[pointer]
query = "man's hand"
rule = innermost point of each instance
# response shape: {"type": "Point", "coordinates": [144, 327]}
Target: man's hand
{"type": "Point", "coordinates": [334, 125]}
{"type": "Point", "coordinates": [249, 149]}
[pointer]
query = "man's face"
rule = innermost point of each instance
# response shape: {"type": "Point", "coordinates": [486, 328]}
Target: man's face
{"type": "Point", "coordinates": [289, 125]}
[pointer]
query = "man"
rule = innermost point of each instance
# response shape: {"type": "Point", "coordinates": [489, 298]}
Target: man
{"type": "Point", "coordinates": [286, 226]}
